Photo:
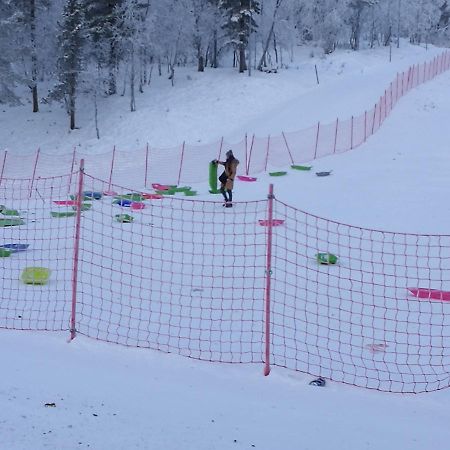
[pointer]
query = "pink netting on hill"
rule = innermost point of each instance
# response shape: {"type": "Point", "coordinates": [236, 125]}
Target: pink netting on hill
{"type": "Point", "coordinates": [180, 275]}
{"type": "Point", "coordinates": [181, 164]}
{"type": "Point", "coordinates": [356, 321]}
{"type": "Point", "coordinates": [37, 240]}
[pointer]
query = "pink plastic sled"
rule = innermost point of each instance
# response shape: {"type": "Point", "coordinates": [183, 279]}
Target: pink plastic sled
{"type": "Point", "coordinates": [275, 222]}
{"type": "Point", "coordinates": [137, 205]}
{"type": "Point", "coordinates": [160, 187]}
{"type": "Point", "coordinates": [152, 196]}
{"type": "Point", "coordinates": [65, 202]}
{"type": "Point", "coordinates": [434, 294]}
{"type": "Point", "coordinates": [246, 178]}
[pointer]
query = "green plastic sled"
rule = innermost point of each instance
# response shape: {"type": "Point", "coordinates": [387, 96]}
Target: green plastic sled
{"type": "Point", "coordinates": [84, 207]}
{"type": "Point", "coordinates": [124, 218]}
{"type": "Point", "coordinates": [181, 189]}
{"type": "Point", "coordinates": [4, 252]}
{"type": "Point", "coordinates": [85, 197]}
{"type": "Point", "coordinates": [190, 193]}
{"type": "Point", "coordinates": [61, 214]}
{"type": "Point", "coordinates": [10, 212]}
{"type": "Point", "coordinates": [133, 196]}
{"type": "Point", "coordinates": [295, 167]}
{"type": "Point", "coordinates": [213, 178]}
{"type": "Point", "coordinates": [277, 174]}
{"type": "Point", "coordinates": [10, 222]}
{"type": "Point", "coordinates": [326, 258]}
{"type": "Point", "coordinates": [35, 275]}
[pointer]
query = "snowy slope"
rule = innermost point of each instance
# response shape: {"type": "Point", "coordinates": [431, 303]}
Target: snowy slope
{"type": "Point", "coordinates": [109, 397]}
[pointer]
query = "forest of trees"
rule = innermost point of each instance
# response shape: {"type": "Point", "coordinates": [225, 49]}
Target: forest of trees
{"type": "Point", "coordinates": [109, 47]}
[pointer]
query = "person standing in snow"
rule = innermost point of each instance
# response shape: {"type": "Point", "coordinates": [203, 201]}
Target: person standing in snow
{"type": "Point", "coordinates": [227, 177]}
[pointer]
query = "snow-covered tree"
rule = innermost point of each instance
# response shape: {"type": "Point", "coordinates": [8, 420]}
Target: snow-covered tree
{"type": "Point", "coordinates": [70, 60]}
{"type": "Point", "coordinates": [8, 76]}
{"type": "Point", "coordinates": [239, 24]}
{"type": "Point", "coordinates": [357, 15]}
{"type": "Point", "coordinates": [102, 23]}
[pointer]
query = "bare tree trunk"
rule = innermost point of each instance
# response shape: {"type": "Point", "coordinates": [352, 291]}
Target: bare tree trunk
{"type": "Point", "coordinates": [34, 68]}
{"type": "Point", "coordinates": [112, 85]}
{"type": "Point", "coordinates": [262, 61]}
{"type": "Point", "coordinates": [242, 62]}
{"type": "Point", "coordinates": [214, 63]}
{"type": "Point", "coordinates": [200, 59]}
{"type": "Point", "coordinates": [132, 81]}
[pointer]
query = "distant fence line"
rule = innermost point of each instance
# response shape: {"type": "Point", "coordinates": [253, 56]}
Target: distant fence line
{"type": "Point", "coordinates": [180, 164]}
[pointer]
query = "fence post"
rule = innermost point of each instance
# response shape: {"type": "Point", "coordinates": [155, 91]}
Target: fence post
{"type": "Point", "coordinates": [3, 166]}
{"type": "Point", "coordinates": [112, 168]}
{"type": "Point", "coordinates": [351, 136]}
{"type": "Point", "coordinates": [267, 153]}
{"type": "Point", "coordinates": [287, 146]}
{"type": "Point", "coordinates": [365, 126]}
{"type": "Point", "coordinates": [71, 169]}
{"type": "Point", "coordinates": [373, 121]}
{"type": "Point", "coordinates": [76, 250]}
{"type": "Point", "coordinates": [146, 165]}
{"type": "Point", "coordinates": [220, 149]}
{"type": "Point", "coordinates": [335, 135]}
{"type": "Point", "coordinates": [379, 115]}
{"type": "Point", "coordinates": [270, 198]}
{"type": "Point", "coordinates": [317, 139]}
{"type": "Point", "coordinates": [181, 162]}
{"type": "Point", "coordinates": [250, 155]}
{"type": "Point", "coordinates": [390, 106]}
{"type": "Point", "coordinates": [246, 155]}
{"type": "Point", "coordinates": [34, 172]}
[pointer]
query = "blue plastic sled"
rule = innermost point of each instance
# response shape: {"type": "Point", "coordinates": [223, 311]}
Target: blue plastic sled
{"type": "Point", "coordinates": [15, 247]}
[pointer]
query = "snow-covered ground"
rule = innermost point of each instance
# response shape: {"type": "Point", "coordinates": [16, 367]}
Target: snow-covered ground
{"type": "Point", "coordinates": [110, 397]}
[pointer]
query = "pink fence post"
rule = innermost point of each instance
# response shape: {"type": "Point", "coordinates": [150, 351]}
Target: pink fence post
{"type": "Point", "coordinates": [351, 135]}
{"type": "Point", "coordinates": [424, 71]}
{"type": "Point", "coordinates": [373, 121]}
{"type": "Point", "coordinates": [250, 154]}
{"type": "Point", "coordinates": [379, 114]}
{"type": "Point", "coordinates": [335, 135]}
{"type": "Point", "coordinates": [287, 146]}
{"type": "Point", "coordinates": [181, 162]}
{"type": "Point", "coordinates": [76, 250]}
{"type": "Point", "coordinates": [34, 171]}
{"type": "Point", "coordinates": [270, 198]}
{"type": "Point", "coordinates": [220, 149]}
{"type": "Point", "coordinates": [390, 106]}
{"type": "Point", "coordinates": [267, 153]}
{"type": "Point", "coordinates": [317, 140]}
{"type": "Point", "coordinates": [71, 169]}
{"type": "Point", "coordinates": [3, 166]}
{"type": "Point", "coordinates": [385, 106]}
{"type": "Point", "coordinates": [112, 168]}
{"type": "Point", "coordinates": [397, 95]}
{"type": "Point", "coordinates": [146, 165]}
{"type": "Point", "coordinates": [403, 84]}
{"type": "Point", "coordinates": [365, 126]}
{"type": "Point", "coordinates": [408, 79]}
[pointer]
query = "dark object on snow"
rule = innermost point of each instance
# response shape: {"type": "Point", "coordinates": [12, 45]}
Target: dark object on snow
{"type": "Point", "coordinates": [318, 382]}
{"type": "Point", "coordinates": [52, 405]}
{"type": "Point", "coordinates": [323, 174]}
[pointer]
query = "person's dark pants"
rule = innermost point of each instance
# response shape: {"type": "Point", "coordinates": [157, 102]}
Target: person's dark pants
{"type": "Point", "coordinates": [229, 197]}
